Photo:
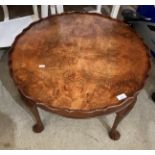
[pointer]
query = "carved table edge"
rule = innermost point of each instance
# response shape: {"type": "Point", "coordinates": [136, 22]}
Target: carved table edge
{"type": "Point", "coordinates": [75, 113]}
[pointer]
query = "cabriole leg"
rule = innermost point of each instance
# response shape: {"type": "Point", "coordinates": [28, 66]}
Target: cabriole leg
{"type": "Point", "coordinates": [114, 134]}
{"type": "Point", "coordinates": [38, 127]}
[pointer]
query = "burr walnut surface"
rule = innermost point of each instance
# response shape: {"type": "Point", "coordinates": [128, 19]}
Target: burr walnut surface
{"type": "Point", "coordinates": [78, 61]}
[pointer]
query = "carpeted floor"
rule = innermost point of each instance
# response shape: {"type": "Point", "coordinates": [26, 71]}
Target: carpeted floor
{"type": "Point", "coordinates": [137, 129]}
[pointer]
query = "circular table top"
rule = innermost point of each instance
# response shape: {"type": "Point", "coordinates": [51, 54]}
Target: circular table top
{"type": "Point", "coordinates": [78, 61]}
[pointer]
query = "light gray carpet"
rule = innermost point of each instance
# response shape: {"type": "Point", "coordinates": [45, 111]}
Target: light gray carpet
{"type": "Point", "coordinates": [137, 129]}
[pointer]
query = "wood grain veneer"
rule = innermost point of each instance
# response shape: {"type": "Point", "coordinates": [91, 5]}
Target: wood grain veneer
{"type": "Point", "coordinates": [78, 61]}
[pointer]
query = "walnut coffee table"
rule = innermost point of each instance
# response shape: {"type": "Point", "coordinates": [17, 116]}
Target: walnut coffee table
{"type": "Point", "coordinates": [79, 65]}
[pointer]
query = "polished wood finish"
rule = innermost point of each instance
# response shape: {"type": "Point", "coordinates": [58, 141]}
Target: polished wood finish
{"type": "Point", "coordinates": [38, 126]}
{"type": "Point", "coordinates": [114, 134]}
{"type": "Point", "coordinates": [76, 64]}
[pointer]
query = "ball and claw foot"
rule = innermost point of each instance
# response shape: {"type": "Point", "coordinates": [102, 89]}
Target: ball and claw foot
{"type": "Point", "coordinates": [38, 128]}
{"type": "Point", "coordinates": [114, 135]}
